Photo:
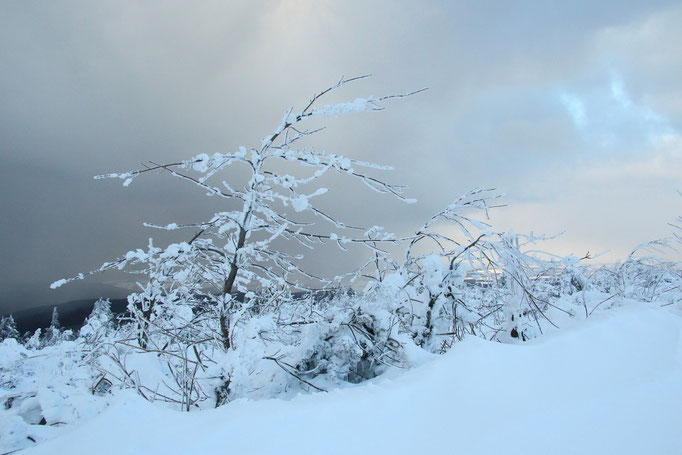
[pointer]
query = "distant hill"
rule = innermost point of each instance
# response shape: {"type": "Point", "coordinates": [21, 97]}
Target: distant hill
{"type": "Point", "coordinates": [72, 314]}
{"type": "Point", "coordinates": [19, 296]}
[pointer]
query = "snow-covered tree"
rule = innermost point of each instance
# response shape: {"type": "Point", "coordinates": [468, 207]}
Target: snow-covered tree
{"type": "Point", "coordinates": [100, 323]}
{"type": "Point", "coordinates": [55, 333]}
{"type": "Point", "coordinates": [54, 322]}
{"type": "Point", "coordinates": [235, 250]}
{"type": "Point", "coordinates": [430, 281]}
{"type": "Point", "coordinates": [8, 328]}
{"type": "Point", "coordinates": [34, 341]}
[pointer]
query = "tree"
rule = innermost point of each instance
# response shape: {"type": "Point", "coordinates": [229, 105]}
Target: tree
{"type": "Point", "coordinates": [34, 341]}
{"type": "Point", "coordinates": [54, 322]}
{"type": "Point", "coordinates": [99, 323]}
{"type": "Point", "coordinates": [8, 328]}
{"type": "Point", "coordinates": [53, 334]}
{"type": "Point", "coordinates": [235, 250]}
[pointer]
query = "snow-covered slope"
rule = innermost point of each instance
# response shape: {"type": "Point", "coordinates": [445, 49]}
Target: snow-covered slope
{"type": "Point", "coordinates": [612, 384]}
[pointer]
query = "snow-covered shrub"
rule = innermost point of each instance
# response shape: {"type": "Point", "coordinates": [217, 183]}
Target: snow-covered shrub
{"type": "Point", "coordinates": [41, 390]}
{"type": "Point", "coordinates": [308, 343]}
{"type": "Point", "coordinates": [480, 283]}
{"type": "Point", "coordinates": [428, 286]}
{"type": "Point", "coordinates": [353, 339]}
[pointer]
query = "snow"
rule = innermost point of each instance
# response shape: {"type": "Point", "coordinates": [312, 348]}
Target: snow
{"type": "Point", "coordinates": [433, 272]}
{"type": "Point", "coordinates": [201, 163]}
{"type": "Point", "coordinates": [608, 384]}
{"type": "Point", "coordinates": [300, 203]}
{"type": "Point", "coordinates": [58, 283]}
{"type": "Point", "coordinates": [334, 110]}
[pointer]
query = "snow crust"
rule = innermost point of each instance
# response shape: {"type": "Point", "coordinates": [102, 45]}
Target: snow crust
{"type": "Point", "coordinates": [610, 384]}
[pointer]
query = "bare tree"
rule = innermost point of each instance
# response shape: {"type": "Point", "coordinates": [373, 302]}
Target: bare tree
{"type": "Point", "coordinates": [235, 250]}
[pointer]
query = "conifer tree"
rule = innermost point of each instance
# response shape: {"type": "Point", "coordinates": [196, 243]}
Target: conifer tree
{"type": "Point", "coordinates": [8, 328]}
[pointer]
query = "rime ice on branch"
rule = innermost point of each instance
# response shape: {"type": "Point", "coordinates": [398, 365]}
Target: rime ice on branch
{"type": "Point", "coordinates": [234, 250]}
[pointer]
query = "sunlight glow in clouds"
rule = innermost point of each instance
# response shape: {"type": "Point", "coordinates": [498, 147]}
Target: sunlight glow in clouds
{"type": "Point", "coordinates": [618, 92]}
{"type": "Point", "coordinates": [576, 109]}
{"type": "Point", "coordinates": [606, 117]}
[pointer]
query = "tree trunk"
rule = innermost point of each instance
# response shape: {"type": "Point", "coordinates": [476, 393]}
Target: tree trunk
{"type": "Point", "coordinates": [227, 291]}
{"type": "Point", "coordinates": [225, 329]}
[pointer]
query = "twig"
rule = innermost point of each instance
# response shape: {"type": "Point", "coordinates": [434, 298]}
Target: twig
{"type": "Point", "coordinates": [294, 374]}
{"type": "Point", "coordinates": [605, 300]}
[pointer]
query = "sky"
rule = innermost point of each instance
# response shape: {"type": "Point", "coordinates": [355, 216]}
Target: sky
{"type": "Point", "coordinates": [572, 110]}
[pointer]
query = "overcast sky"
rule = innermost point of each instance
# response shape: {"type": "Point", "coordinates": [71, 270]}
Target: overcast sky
{"type": "Point", "coordinates": [571, 109]}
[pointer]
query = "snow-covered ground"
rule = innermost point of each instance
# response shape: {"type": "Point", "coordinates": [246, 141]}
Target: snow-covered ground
{"type": "Point", "coordinates": [611, 384]}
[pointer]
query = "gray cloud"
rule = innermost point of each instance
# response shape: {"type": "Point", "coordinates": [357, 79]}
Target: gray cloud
{"type": "Point", "coordinates": [89, 88]}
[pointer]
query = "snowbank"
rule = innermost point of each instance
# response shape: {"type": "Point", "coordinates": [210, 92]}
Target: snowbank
{"type": "Point", "coordinates": [612, 384]}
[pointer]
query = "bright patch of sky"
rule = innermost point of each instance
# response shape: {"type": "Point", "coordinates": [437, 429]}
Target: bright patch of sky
{"type": "Point", "coordinates": [618, 92]}
{"type": "Point", "coordinates": [576, 109]}
{"type": "Point", "coordinates": [608, 119]}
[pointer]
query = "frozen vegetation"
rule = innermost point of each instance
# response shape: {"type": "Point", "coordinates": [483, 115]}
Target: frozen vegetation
{"type": "Point", "coordinates": [475, 342]}
{"type": "Point", "coordinates": [611, 384]}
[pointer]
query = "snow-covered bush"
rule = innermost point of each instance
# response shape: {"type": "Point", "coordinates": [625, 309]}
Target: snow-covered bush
{"type": "Point", "coordinates": [483, 283]}
{"type": "Point", "coordinates": [43, 389]}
